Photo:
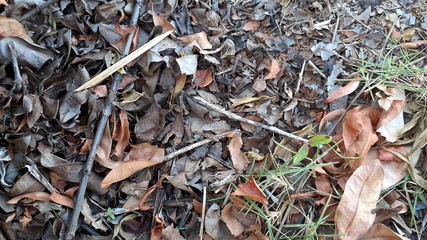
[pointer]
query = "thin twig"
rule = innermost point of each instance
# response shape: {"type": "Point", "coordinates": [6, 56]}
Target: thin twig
{"type": "Point", "coordinates": [301, 76]}
{"type": "Point", "coordinates": [317, 69]}
{"type": "Point", "coordinates": [236, 117]}
{"type": "Point", "coordinates": [37, 9]}
{"type": "Point", "coordinates": [18, 83]}
{"type": "Point", "coordinates": [202, 224]}
{"type": "Point", "coordinates": [100, 130]}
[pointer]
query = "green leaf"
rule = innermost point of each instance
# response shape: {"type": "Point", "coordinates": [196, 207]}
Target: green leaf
{"type": "Point", "coordinates": [301, 154]}
{"type": "Point", "coordinates": [318, 140]}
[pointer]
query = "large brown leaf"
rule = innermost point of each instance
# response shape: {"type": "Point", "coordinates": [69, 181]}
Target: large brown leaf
{"type": "Point", "coordinates": [141, 156]}
{"type": "Point", "coordinates": [251, 190]}
{"type": "Point", "coordinates": [353, 217]}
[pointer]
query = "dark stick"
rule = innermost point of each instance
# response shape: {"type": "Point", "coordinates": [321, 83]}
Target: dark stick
{"type": "Point", "coordinates": [18, 83]}
{"type": "Point", "coordinates": [100, 130]}
{"type": "Point", "coordinates": [37, 9]}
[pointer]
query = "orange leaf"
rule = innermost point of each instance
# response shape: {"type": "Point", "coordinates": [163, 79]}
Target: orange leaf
{"type": "Point", "coordinates": [9, 27]}
{"type": "Point", "coordinates": [62, 199]}
{"type": "Point", "coordinates": [274, 69]}
{"type": "Point", "coordinates": [342, 91]}
{"type": "Point", "coordinates": [353, 217]}
{"type": "Point", "coordinates": [412, 45]}
{"type": "Point", "coordinates": [34, 196]}
{"type": "Point", "coordinates": [251, 190]}
{"type": "Point", "coordinates": [140, 157]}
{"type": "Point", "coordinates": [203, 77]}
{"type": "Point", "coordinates": [240, 162]}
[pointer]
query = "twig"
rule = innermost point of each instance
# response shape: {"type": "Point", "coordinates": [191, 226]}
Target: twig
{"type": "Point", "coordinates": [236, 117]}
{"type": "Point", "coordinates": [18, 83]}
{"type": "Point", "coordinates": [123, 62]}
{"type": "Point", "coordinates": [300, 77]}
{"type": "Point", "coordinates": [317, 69]}
{"type": "Point", "coordinates": [37, 9]}
{"type": "Point", "coordinates": [100, 130]}
{"type": "Point", "coordinates": [34, 171]}
{"type": "Point", "coordinates": [202, 224]}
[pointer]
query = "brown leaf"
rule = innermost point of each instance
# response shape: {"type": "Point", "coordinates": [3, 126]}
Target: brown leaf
{"type": "Point", "coordinates": [159, 20]}
{"type": "Point", "coordinates": [203, 77]}
{"type": "Point", "coordinates": [240, 162]}
{"type": "Point", "coordinates": [234, 225]}
{"type": "Point", "coordinates": [9, 27]}
{"type": "Point", "coordinates": [353, 216]}
{"type": "Point", "coordinates": [412, 45]}
{"type": "Point", "coordinates": [358, 133]}
{"type": "Point", "coordinates": [62, 199]}
{"type": "Point", "coordinates": [342, 91]}
{"type": "Point", "coordinates": [200, 38]}
{"type": "Point", "coordinates": [251, 190]}
{"type": "Point", "coordinates": [171, 233]}
{"type": "Point", "coordinates": [150, 125]}
{"type": "Point", "coordinates": [3, 2]}
{"type": "Point", "coordinates": [380, 232]}
{"type": "Point", "coordinates": [251, 26]}
{"type": "Point", "coordinates": [274, 69]}
{"type": "Point", "coordinates": [104, 149]}
{"type": "Point", "coordinates": [140, 157]}
{"type": "Point", "coordinates": [34, 196]}
{"type": "Point", "coordinates": [122, 135]}
{"type": "Point", "coordinates": [332, 116]}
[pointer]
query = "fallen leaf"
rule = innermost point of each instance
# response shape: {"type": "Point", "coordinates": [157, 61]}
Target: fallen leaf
{"type": "Point", "coordinates": [251, 190]}
{"type": "Point", "coordinates": [353, 217]}
{"type": "Point", "coordinates": [9, 27]}
{"type": "Point", "coordinates": [62, 199]}
{"type": "Point", "coordinates": [187, 64]}
{"type": "Point", "coordinates": [203, 77]}
{"type": "Point", "coordinates": [234, 225]}
{"type": "Point", "coordinates": [240, 162]}
{"type": "Point", "coordinates": [122, 134]}
{"type": "Point", "coordinates": [274, 69]}
{"type": "Point", "coordinates": [358, 133]}
{"type": "Point", "coordinates": [251, 26]}
{"type": "Point", "coordinates": [171, 233]}
{"type": "Point", "coordinates": [342, 91]}
{"type": "Point", "coordinates": [159, 20]}
{"type": "Point", "coordinates": [379, 231]}
{"type": "Point", "coordinates": [140, 157]}
{"type": "Point", "coordinates": [34, 196]}
{"type": "Point", "coordinates": [200, 38]}
{"type": "Point", "coordinates": [3, 2]}
{"type": "Point", "coordinates": [412, 45]}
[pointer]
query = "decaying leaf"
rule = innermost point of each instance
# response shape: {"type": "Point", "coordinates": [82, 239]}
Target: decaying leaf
{"type": "Point", "coordinates": [240, 162]}
{"type": "Point", "coordinates": [9, 27]}
{"type": "Point", "coordinates": [274, 69]}
{"type": "Point", "coordinates": [353, 217]}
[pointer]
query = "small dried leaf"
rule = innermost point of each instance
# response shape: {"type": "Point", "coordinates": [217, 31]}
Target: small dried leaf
{"type": "Point", "coordinates": [240, 162]}
{"type": "Point", "coordinates": [343, 91]}
{"type": "Point", "coordinates": [34, 196]}
{"type": "Point", "coordinates": [203, 77]}
{"type": "Point", "coordinates": [62, 199]}
{"type": "Point", "coordinates": [274, 69]}
{"type": "Point", "coordinates": [251, 190]}
{"type": "Point", "coordinates": [9, 27]}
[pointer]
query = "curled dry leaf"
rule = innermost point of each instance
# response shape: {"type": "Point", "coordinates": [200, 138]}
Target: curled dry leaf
{"type": "Point", "coordinates": [9, 27]}
{"type": "Point", "coordinates": [122, 135]}
{"type": "Point", "coordinates": [251, 26]}
{"type": "Point", "coordinates": [159, 20]}
{"type": "Point", "coordinates": [353, 217]}
{"type": "Point", "coordinates": [251, 190]}
{"type": "Point", "coordinates": [274, 69]}
{"type": "Point", "coordinates": [200, 38]}
{"type": "Point", "coordinates": [343, 91]}
{"type": "Point", "coordinates": [240, 161]}
{"type": "Point", "coordinates": [358, 133]}
{"type": "Point", "coordinates": [34, 196]}
{"type": "Point", "coordinates": [140, 157]}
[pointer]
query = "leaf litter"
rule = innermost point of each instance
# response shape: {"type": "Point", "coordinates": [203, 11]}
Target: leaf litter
{"type": "Point", "coordinates": [233, 120]}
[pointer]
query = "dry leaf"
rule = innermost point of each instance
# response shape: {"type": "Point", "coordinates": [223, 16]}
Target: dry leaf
{"type": "Point", "coordinates": [412, 45]}
{"type": "Point", "coordinates": [34, 196]}
{"type": "Point", "coordinates": [358, 133]}
{"type": "Point", "coordinates": [380, 232]}
{"type": "Point", "coordinates": [234, 225]}
{"type": "Point", "coordinates": [240, 162]}
{"type": "Point", "coordinates": [159, 20]}
{"type": "Point", "coordinates": [62, 199]}
{"type": "Point", "coordinates": [3, 2]}
{"type": "Point", "coordinates": [140, 157]}
{"type": "Point", "coordinates": [9, 27]}
{"type": "Point", "coordinates": [342, 91]}
{"type": "Point", "coordinates": [122, 135]}
{"type": "Point", "coordinates": [353, 217]}
{"type": "Point", "coordinates": [251, 190]}
{"type": "Point", "coordinates": [274, 69]}
{"type": "Point", "coordinates": [251, 26]}
{"type": "Point", "coordinates": [203, 77]}
{"type": "Point", "coordinates": [200, 38]}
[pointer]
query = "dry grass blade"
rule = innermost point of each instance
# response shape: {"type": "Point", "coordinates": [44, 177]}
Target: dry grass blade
{"type": "Point", "coordinates": [118, 65]}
